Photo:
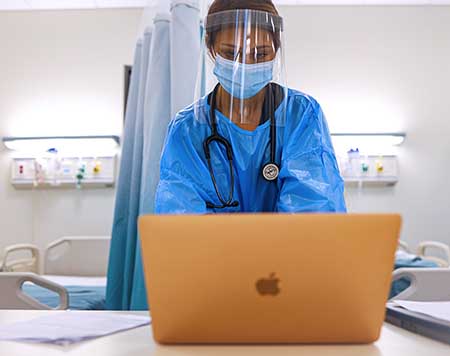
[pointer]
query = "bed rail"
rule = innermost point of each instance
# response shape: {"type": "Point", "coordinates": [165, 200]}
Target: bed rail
{"type": "Point", "coordinates": [13, 297]}
{"type": "Point", "coordinates": [22, 264]}
{"type": "Point", "coordinates": [85, 256]}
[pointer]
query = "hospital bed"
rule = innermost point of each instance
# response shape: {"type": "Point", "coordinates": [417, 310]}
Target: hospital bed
{"type": "Point", "coordinates": [74, 273]}
{"type": "Point", "coordinates": [74, 276]}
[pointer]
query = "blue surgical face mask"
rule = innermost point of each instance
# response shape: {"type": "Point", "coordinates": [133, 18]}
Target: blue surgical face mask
{"type": "Point", "coordinates": [241, 80]}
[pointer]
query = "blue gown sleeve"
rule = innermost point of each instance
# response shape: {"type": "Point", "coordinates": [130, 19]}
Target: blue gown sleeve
{"type": "Point", "coordinates": [309, 178]}
{"type": "Point", "coordinates": [179, 190]}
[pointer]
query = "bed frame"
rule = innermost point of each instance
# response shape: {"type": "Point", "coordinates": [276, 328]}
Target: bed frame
{"type": "Point", "coordinates": [12, 296]}
{"type": "Point", "coordinates": [83, 256]}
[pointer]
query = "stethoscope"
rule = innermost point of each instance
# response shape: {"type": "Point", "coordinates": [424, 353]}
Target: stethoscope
{"type": "Point", "coordinates": [270, 170]}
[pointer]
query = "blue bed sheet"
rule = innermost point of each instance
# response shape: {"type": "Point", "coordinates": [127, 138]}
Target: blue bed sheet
{"type": "Point", "coordinates": [80, 298]}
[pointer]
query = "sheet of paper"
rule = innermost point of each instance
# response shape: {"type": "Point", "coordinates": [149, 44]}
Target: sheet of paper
{"type": "Point", "coordinates": [438, 310]}
{"type": "Point", "coordinates": [70, 327]}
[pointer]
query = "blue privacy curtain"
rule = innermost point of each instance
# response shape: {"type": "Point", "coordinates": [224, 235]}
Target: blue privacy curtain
{"type": "Point", "coordinates": [162, 83]}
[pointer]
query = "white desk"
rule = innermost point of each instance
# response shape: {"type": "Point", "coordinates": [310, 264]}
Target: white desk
{"type": "Point", "coordinates": [139, 342]}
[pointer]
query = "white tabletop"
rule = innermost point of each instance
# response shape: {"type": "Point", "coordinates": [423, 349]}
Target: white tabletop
{"type": "Point", "coordinates": [394, 341]}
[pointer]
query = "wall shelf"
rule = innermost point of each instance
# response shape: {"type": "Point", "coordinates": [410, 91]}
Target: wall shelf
{"type": "Point", "coordinates": [65, 145]}
{"type": "Point", "coordinates": [371, 182]}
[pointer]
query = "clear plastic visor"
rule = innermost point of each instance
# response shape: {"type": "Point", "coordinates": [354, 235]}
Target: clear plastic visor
{"type": "Point", "coordinates": [242, 69]}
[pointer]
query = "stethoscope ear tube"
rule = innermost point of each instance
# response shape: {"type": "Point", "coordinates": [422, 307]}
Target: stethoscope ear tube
{"type": "Point", "coordinates": [234, 204]}
{"type": "Point", "coordinates": [215, 137]}
{"type": "Point", "coordinates": [229, 202]}
{"type": "Point", "coordinates": [220, 140]}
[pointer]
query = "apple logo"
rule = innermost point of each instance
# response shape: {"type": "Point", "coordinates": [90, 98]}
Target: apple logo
{"type": "Point", "coordinates": [268, 286]}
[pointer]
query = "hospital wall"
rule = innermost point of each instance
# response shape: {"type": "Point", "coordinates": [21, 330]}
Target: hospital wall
{"type": "Point", "coordinates": [61, 74]}
{"type": "Point", "coordinates": [384, 69]}
{"type": "Point", "coordinates": [373, 69]}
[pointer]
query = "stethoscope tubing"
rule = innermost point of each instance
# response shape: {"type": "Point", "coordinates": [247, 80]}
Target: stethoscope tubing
{"type": "Point", "coordinates": [216, 137]}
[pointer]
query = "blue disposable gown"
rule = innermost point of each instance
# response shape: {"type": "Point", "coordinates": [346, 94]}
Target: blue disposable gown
{"type": "Point", "coordinates": [309, 178]}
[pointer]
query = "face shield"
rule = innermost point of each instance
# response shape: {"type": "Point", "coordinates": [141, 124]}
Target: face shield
{"type": "Point", "coordinates": [243, 68]}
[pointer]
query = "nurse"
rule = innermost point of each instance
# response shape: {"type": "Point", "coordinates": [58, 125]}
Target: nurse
{"type": "Point", "coordinates": [251, 144]}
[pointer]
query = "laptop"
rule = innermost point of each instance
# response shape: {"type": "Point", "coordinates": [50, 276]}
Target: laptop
{"type": "Point", "coordinates": [268, 279]}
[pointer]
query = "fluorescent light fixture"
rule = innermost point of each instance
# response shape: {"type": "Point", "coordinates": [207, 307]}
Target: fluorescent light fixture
{"type": "Point", "coordinates": [368, 143]}
{"type": "Point", "coordinates": [65, 145]}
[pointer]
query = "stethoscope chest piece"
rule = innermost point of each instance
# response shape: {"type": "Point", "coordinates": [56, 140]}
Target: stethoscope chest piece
{"type": "Point", "coordinates": [271, 172]}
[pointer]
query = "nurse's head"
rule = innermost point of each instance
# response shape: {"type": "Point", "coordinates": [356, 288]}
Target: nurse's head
{"type": "Point", "coordinates": [247, 37]}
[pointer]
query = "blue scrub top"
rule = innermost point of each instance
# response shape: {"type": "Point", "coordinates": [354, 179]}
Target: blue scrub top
{"type": "Point", "coordinates": [309, 178]}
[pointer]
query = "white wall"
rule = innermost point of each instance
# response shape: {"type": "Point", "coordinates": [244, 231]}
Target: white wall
{"type": "Point", "coordinates": [371, 68]}
{"type": "Point", "coordinates": [384, 69]}
{"type": "Point", "coordinates": [61, 74]}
